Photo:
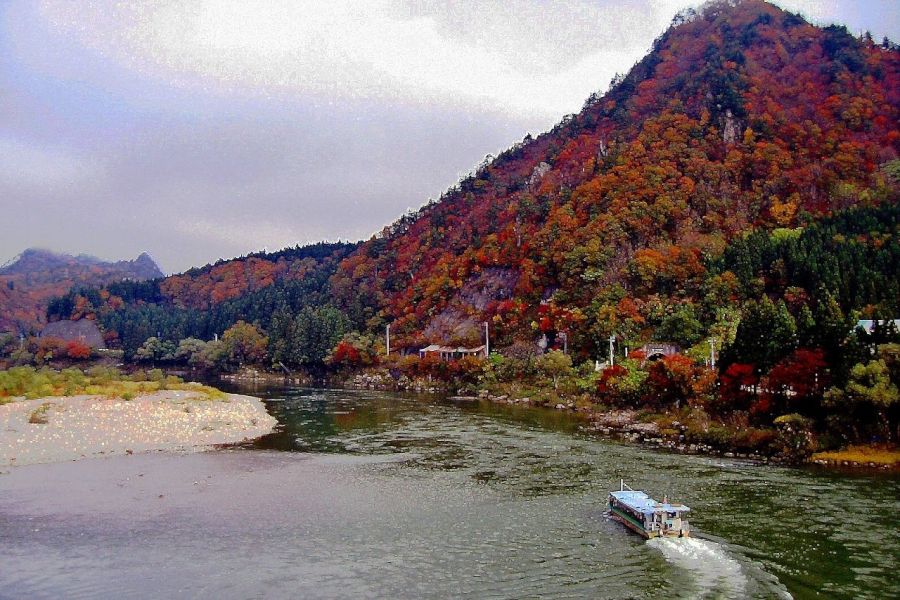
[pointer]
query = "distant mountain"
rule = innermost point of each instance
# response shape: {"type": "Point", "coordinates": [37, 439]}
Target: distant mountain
{"type": "Point", "coordinates": [31, 279]}
{"type": "Point", "coordinates": [204, 301]}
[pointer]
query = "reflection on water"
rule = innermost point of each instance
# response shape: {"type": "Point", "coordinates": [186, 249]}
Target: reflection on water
{"type": "Point", "coordinates": [367, 494]}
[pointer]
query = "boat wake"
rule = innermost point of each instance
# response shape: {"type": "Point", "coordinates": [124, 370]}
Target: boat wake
{"type": "Point", "coordinates": [715, 573]}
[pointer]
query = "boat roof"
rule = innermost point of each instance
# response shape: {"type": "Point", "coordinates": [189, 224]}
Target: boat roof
{"type": "Point", "coordinates": [643, 503]}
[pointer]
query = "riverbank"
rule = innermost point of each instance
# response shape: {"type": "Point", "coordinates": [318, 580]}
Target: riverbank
{"type": "Point", "coordinates": [685, 430]}
{"type": "Point", "coordinates": [65, 428]}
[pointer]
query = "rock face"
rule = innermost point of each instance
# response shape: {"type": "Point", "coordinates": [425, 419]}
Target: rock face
{"type": "Point", "coordinates": [731, 128]}
{"type": "Point", "coordinates": [82, 330]}
{"type": "Point", "coordinates": [40, 265]}
{"type": "Point", "coordinates": [538, 174]}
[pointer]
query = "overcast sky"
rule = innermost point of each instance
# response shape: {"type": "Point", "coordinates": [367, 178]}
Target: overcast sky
{"type": "Point", "coordinates": [200, 130]}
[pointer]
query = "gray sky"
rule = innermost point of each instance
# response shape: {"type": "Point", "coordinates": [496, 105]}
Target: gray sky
{"type": "Point", "coordinates": [198, 130]}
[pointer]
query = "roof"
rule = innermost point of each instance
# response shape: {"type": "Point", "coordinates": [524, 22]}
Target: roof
{"type": "Point", "coordinates": [461, 350]}
{"type": "Point", "coordinates": [643, 503]}
{"type": "Point", "coordinates": [869, 324]}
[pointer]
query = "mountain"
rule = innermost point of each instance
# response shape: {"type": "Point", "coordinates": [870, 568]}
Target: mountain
{"type": "Point", "coordinates": [749, 154]}
{"type": "Point", "coordinates": [29, 281]}
{"type": "Point", "coordinates": [743, 117]}
{"type": "Point", "coordinates": [205, 301]}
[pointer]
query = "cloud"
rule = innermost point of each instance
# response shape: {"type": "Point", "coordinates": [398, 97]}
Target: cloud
{"type": "Point", "coordinates": [523, 57]}
{"type": "Point", "coordinates": [38, 168]}
{"type": "Point", "coordinates": [200, 129]}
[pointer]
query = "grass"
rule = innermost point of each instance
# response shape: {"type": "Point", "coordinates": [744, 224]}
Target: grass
{"type": "Point", "coordinates": [861, 454]}
{"type": "Point", "coordinates": [32, 383]}
{"type": "Point", "coordinates": [39, 415]}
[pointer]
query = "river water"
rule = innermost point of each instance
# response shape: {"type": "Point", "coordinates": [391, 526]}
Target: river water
{"type": "Point", "coordinates": [374, 495]}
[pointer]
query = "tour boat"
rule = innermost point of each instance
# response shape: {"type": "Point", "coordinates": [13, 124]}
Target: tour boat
{"type": "Point", "coordinates": [647, 517]}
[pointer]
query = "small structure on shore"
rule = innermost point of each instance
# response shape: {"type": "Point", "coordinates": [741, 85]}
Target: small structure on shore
{"type": "Point", "coordinates": [658, 350]}
{"type": "Point", "coordinates": [869, 325]}
{"type": "Point", "coordinates": [450, 352]}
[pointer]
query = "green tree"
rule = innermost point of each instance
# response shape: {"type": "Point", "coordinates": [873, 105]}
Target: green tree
{"type": "Point", "coordinates": [869, 388]}
{"type": "Point", "coordinates": [554, 364]}
{"type": "Point", "coordinates": [213, 356]}
{"type": "Point", "coordinates": [190, 351]}
{"type": "Point", "coordinates": [155, 350]}
{"type": "Point", "coordinates": [315, 333]}
{"type": "Point", "coordinates": [681, 327]}
{"type": "Point", "coordinates": [767, 333]}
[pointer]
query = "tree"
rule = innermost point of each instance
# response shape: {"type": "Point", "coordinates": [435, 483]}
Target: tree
{"type": "Point", "coordinates": [672, 380]}
{"type": "Point", "coordinates": [681, 327]}
{"type": "Point", "coordinates": [213, 356]}
{"type": "Point", "coordinates": [738, 385]}
{"type": "Point", "coordinates": [190, 351]}
{"type": "Point", "coordinates": [244, 343]}
{"type": "Point", "coordinates": [767, 332]}
{"type": "Point", "coordinates": [315, 333]}
{"type": "Point", "coordinates": [799, 381]}
{"type": "Point", "coordinates": [49, 348]}
{"type": "Point", "coordinates": [155, 350]}
{"type": "Point", "coordinates": [78, 350]}
{"type": "Point", "coordinates": [622, 383]}
{"type": "Point", "coordinates": [869, 388]}
{"type": "Point", "coordinates": [354, 350]}
{"type": "Point", "coordinates": [554, 365]}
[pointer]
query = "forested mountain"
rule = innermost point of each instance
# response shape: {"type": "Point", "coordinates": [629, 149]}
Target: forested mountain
{"type": "Point", "coordinates": [205, 301]}
{"type": "Point", "coordinates": [742, 118]}
{"type": "Point", "coordinates": [36, 275]}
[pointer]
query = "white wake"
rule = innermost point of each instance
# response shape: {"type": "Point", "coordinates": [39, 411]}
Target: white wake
{"type": "Point", "coordinates": [714, 572]}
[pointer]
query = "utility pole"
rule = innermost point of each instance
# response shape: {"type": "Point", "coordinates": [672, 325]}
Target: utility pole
{"type": "Point", "coordinates": [387, 335]}
{"type": "Point", "coordinates": [487, 341]}
{"type": "Point", "coordinates": [712, 353]}
{"type": "Point", "coordinates": [612, 340]}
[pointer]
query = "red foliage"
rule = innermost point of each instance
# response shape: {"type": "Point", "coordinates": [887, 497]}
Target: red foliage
{"type": "Point", "coordinates": [609, 374]}
{"type": "Point", "coordinates": [738, 386]}
{"type": "Point", "coordinates": [345, 355]}
{"type": "Point", "coordinates": [49, 347]}
{"type": "Point", "coordinates": [671, 379]}
{"type": "Point", "coordinates": [797, 380]}
{"type": "Point", "coordinates": [78, 350]}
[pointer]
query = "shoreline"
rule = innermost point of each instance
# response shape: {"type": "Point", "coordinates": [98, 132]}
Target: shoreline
{"type": "Point", "coordinates": [622, 424]}
{"type": "Point", "coordinates": [62, 429]}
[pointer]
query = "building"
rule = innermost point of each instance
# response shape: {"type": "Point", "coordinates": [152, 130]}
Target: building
{"type": "Point", "coordinates": [868, 325]}
{"type": "Point", "coordinates": [450, 352]}
{"type": "Point", "coordinates": [658, 350]}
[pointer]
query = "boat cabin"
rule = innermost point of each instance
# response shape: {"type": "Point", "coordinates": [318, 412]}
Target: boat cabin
{"type": "Point", "coordinates": [647, 517]}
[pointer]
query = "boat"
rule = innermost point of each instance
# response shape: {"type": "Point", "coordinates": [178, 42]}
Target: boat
{"type": "Point", "coordinates": [647, 517]}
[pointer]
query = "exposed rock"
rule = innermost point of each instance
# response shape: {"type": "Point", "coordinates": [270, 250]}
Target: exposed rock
{"type": "Point", "coordinates": [537, 174]}
{"type": "Point", "coordinates": [731, 129]}
{"type": "Point", "coordinates": [82, 330]}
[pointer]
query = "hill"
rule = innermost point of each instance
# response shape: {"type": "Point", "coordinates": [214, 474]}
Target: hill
{"type": "Point", "coordinates": [205, 301]}
{"type": "Point", "coordinates": [34, 277]}
{"type": "Point", "coordinates": [742, 118]}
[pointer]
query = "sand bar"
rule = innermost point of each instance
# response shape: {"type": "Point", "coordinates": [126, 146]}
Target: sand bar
{"type": "Point", "coordinates": [80, 427]}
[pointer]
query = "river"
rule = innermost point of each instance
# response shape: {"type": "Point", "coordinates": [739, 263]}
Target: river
{"type": "Point", "coordinates": [376, 495]}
